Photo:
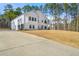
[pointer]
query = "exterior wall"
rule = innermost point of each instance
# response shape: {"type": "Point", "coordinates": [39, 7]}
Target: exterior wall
{"type": "Point", "coordinates": [17, 21]}
{"type": "Point", "coordinates": [40, 19]}
{"type": "Point", "coordinates": [39, 23]}
{"type": "Point", "coordinates": [32, 23]}
{"type": "Point", "coordinates": [14, 25]}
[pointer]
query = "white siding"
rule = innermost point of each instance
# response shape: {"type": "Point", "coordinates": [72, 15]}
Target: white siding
{"type": "Point", "coordinates": [19, 20]}
{"type": "Point", "coordinates": [24, 19]}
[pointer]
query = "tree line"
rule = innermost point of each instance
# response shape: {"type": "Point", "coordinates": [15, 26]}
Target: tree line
{"type": "Point", "coordinates": [65, 15]}
{"type": "Point", "coordinates": [70, 21]}
{"type": "Point", "coordinates": [10, 13]}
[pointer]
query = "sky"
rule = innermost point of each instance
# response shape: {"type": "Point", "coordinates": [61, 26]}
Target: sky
{"type": "Point", "coordinates": [15, 5]}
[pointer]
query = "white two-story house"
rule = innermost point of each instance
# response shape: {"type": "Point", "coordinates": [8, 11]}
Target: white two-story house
{"type": "Point", "coordinates": [30, 20]}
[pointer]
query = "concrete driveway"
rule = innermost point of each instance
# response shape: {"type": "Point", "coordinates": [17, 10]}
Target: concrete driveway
{"type": "Point", "coordinates": [13, 43]}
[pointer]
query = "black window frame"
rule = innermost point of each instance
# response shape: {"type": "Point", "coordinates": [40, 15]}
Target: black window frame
{"type": "Point", "coordinates": [22, 26]}
{"type": "Point", "coordinates": [45, 27]}
{"type": "Point", "coordinates": [32, 18]}
{"type": "Point", "coordinates": [33, 27]}
{"type": "Point", "coordinates": [42, 21]}
{"type": "Point", "coordinates": [35, 19]}
{"type": "Point", "coordinates": [29, 18]}
{"type": "Point", "coordinates": [45, 21]}
{"type": "Point", "coordinates": [30, 26]}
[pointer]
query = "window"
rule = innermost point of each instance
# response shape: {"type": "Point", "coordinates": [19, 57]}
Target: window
{"type": "Point", "coordinates": [45, 21]}
{"type": "Point", "coordinates": [18, 26]}
{"type": "Point", "coordinates": [32, 19]}
{"type": "Point", "coordinates": [20, 20]}
{"type": "Point", "coordinates": [35, 19]}
{"type": "Point", "coordinates": [22, 26]}
{"type": "Point", "coordinates": [45, 27]}
{"type": "Point", "coordinates": [30, 26]}
{"type": "Point", "coordinates": [42, 20]}
{"type": "Point", "coordinates": [29, 18]}
{"type": "Point", "coordinates": [33, 26]}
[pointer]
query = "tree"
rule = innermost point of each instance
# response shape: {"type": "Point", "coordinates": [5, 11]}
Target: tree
{"type": "Point", "coordinates": [26, 8]}
{"type": "Point", "coordinates": [73, 13]}
{"type": "Point", "coordinates": [34, 7]}
{"type": "Point", "coordinates": [18, 11]}
{"type": "Point", "coordinates": [77, 27]}
{"type": "Point", "coordinates": [66, 11]}
{"type": "Point", "coordinates": [3, 22]}
{"type": "Point", "coordinates": [9, 13]}
{"type": "Point", "coordinates": [59, 11]}
{"type": "Point", "coordinates": [8, 7]}
{"type": "Point", "coordinates": [55, 10]}
{"type": "Point", "coordinates": [51, 10]}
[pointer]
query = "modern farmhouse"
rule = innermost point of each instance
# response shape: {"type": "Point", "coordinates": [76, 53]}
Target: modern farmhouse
{"type": "Point", "coordinates": [30, 20]}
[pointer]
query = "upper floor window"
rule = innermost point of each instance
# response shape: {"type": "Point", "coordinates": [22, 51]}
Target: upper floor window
{"type": "Point", "coordinates": [19, 20]}
{"type": "Point", "coordinates": [45, 21]}
{"type": "Point", "coordinates": [29, 18]}
{"type": "Point", "coordinates": [32, 19]}
{"type": "Point", "coordinates": [42, 20]}
{"type": "Point", "coordinates": [35, 19]}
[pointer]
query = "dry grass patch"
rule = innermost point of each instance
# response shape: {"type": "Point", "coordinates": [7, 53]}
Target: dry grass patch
{"type": "Point", "coordinates": [66, 37]}
{"type": "Point", "coordinates": [4, 28]}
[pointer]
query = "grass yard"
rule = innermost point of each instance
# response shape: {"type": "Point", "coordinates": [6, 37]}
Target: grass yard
{"type": "Point", "coordinates": [66, 37]}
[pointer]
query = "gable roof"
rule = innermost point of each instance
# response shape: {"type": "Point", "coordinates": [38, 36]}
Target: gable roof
{"type": "Point", "coordinates": [34, 11]}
